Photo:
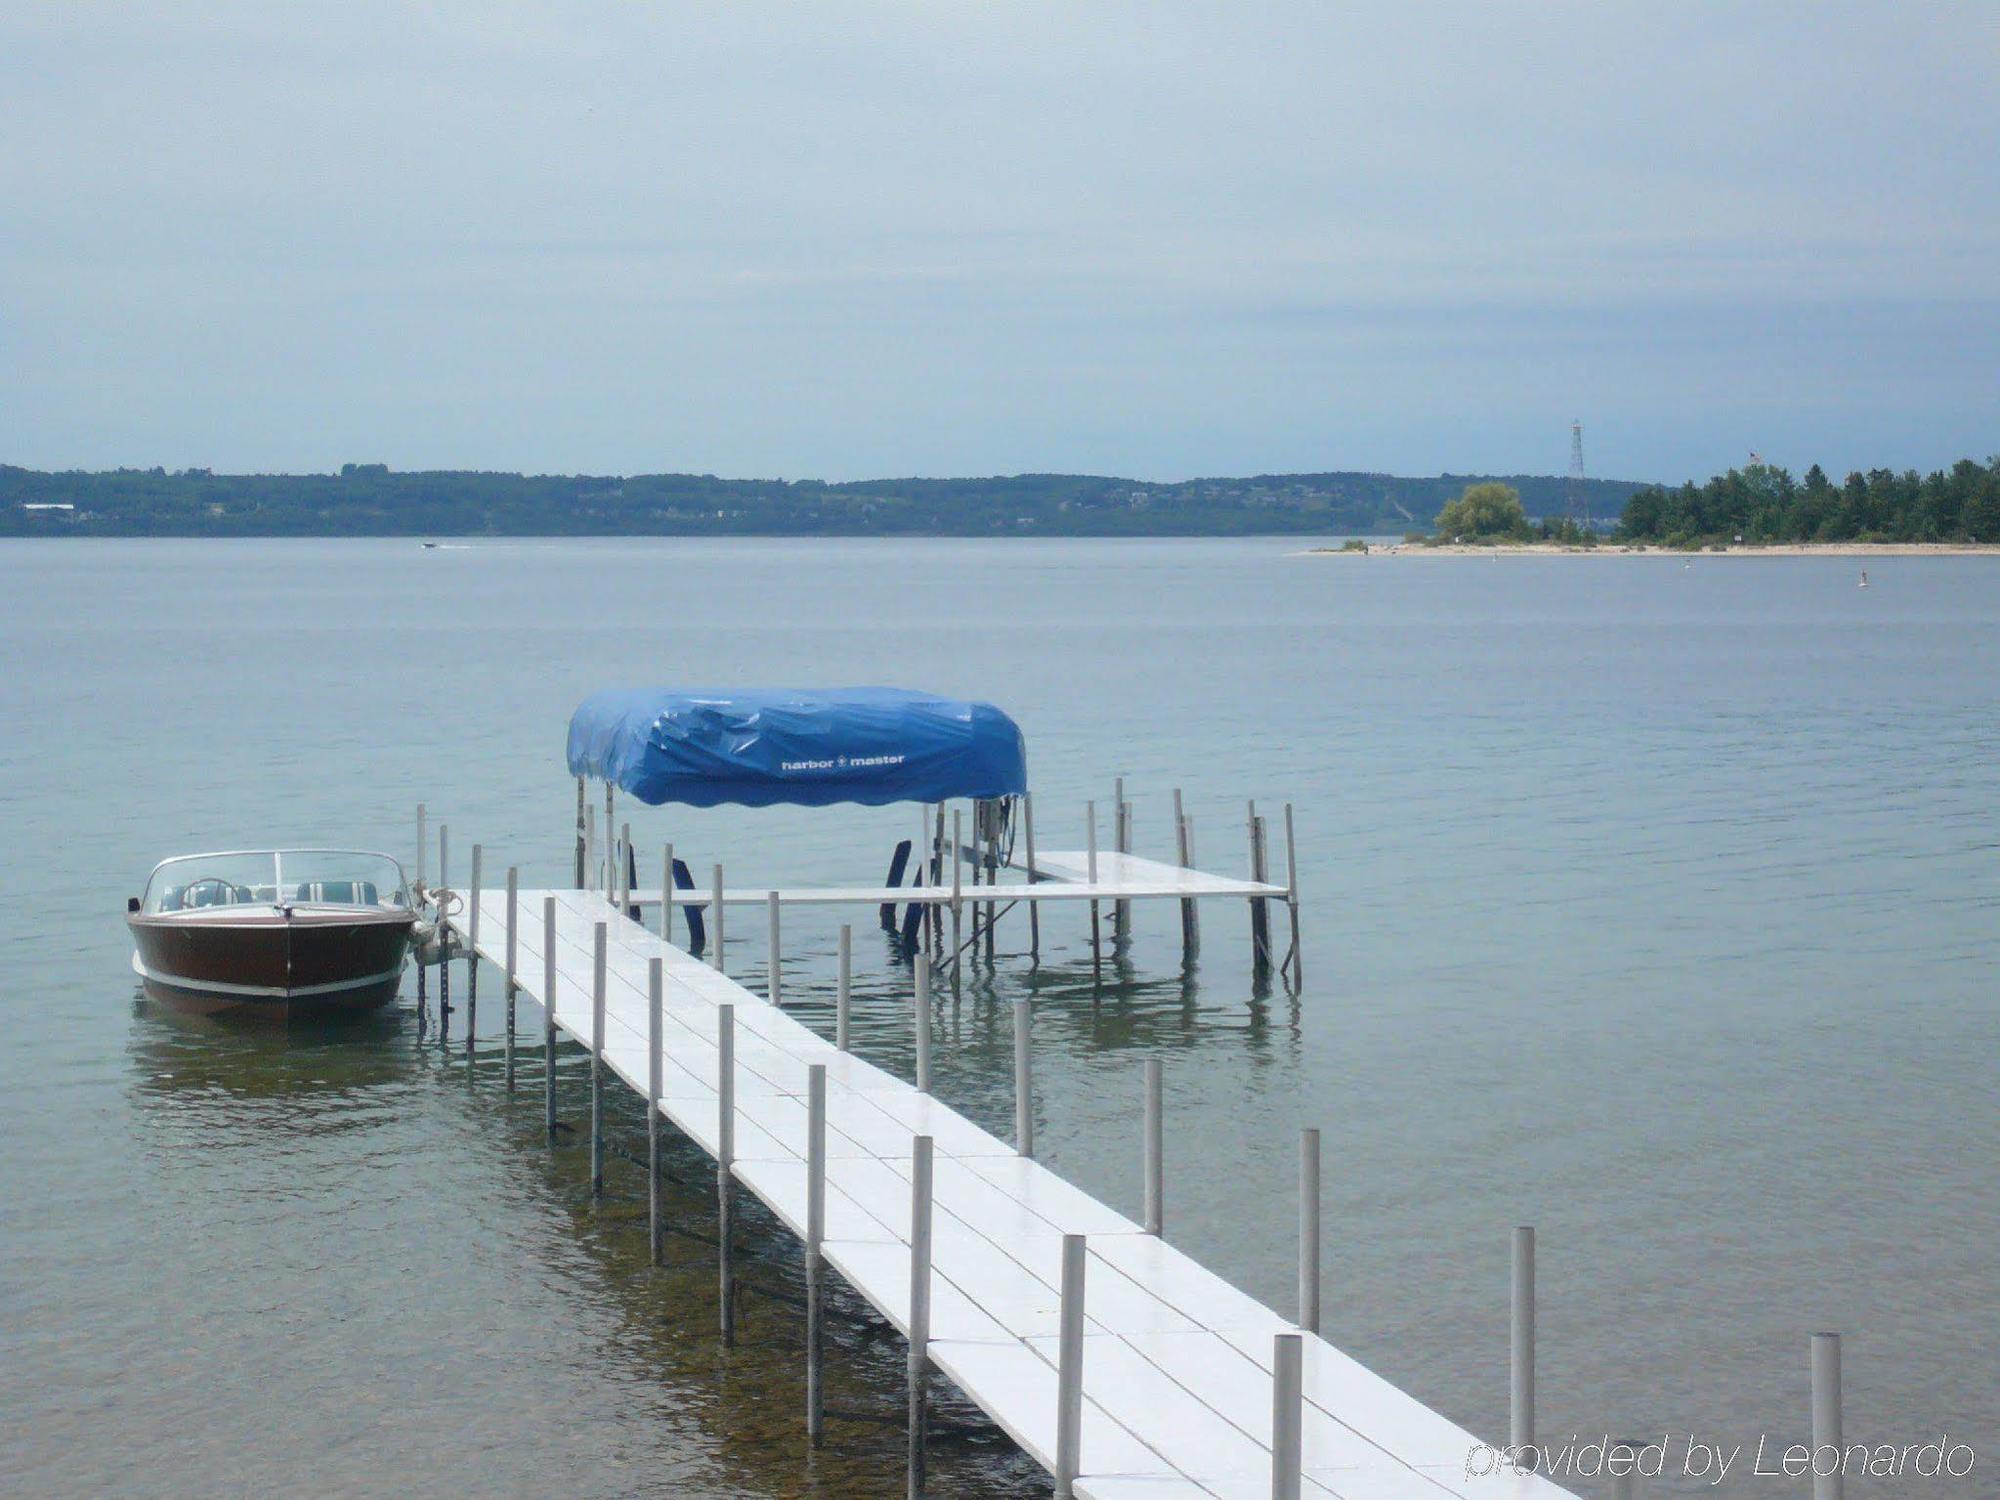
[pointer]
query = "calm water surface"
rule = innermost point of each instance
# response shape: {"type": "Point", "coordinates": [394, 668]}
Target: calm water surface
{"type": "Point", "coordinates": [1654, 905]}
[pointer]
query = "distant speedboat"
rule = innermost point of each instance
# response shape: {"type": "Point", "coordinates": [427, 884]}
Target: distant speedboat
{"type": "Point", "coordinates": [430, 546]}
{"type": "Point", "coordinates": [277, 934]}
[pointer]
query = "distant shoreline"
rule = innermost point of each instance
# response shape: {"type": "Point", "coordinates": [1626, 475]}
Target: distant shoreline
{"type": "Point", "coordinates": [374, 500]}
{"type": "Point", "coordinates": [1613, 549]}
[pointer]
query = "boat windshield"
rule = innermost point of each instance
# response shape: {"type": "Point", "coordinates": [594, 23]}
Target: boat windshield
{"type": "Point", "coordinates": [289, 877]}
{"type": "Point", "coordinates": [341, 877]}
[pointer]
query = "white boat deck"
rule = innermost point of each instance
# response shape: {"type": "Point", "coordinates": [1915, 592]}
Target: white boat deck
{"type": "Point", "coordinates": [1177, 1364]}
{"type": "Point", "coordinates": [1061, 875]}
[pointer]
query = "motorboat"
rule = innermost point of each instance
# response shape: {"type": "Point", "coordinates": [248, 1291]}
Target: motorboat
{"type": "Point", "coordinates": [280, 934]}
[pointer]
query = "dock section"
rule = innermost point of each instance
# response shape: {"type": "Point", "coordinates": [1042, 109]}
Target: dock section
{"type": "Point", "coordinates": [1188, 1387]}
{"type": "Point", "coordinates": [1122, 877]}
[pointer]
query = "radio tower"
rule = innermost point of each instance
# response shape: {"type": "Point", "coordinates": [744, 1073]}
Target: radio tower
{"type": "Point", "coordinates": [1579, 501]}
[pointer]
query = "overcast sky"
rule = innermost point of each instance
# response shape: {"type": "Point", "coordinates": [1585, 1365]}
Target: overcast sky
{"type": "Point", "coordinates": [855, 240]}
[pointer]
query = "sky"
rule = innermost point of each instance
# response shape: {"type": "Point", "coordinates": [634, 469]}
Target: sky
{"type": "Point", "coordinates": [843, 241]}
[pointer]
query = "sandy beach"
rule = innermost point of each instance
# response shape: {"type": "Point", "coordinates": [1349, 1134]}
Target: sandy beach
{"type": "Point", "coordinates": [1611, 549]}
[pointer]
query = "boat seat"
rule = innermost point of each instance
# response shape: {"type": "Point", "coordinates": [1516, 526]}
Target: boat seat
{"type": "Point", "coordinates": [338, 892]}
{"type": "Point", "coordinates": [208, 893]}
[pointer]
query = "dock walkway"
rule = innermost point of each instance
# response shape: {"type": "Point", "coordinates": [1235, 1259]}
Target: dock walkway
{"type": "Point", "coordinates": [1063, 875]}
{"type": "Point", "coordinates": [1178, 1383]}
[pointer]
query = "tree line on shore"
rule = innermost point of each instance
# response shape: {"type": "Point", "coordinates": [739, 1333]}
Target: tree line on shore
{"type": "Point", "coordinates": [374, 500]}
{"type": "Point", "coordinates": [1764, 503]}
{"type": "Point", "coordinates": [1758, 504]}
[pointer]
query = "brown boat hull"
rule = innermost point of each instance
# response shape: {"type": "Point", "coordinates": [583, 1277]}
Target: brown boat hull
{"type": "Point", "coordinates": [269, 964]}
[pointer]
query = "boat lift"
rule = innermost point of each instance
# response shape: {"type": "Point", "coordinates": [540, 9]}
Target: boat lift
{"type": "Point", "coordinates": [875, 746]}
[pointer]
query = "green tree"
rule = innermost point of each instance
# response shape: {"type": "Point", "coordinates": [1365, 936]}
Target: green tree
{"type": "Point", "coordinates": [1643, 512]}
{"type": "Point", "coordinates": [1484, 510]}
{"type": "Point", "coordinates": [1981, 520]}
{"type": "Point", "coordinates": [1810, 507]}
{"type": "Point", "coordinates": [1764, 504]}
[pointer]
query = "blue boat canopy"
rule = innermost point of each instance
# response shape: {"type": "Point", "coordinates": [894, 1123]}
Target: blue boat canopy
{"type": "Point", "coordinates": [811, 747]}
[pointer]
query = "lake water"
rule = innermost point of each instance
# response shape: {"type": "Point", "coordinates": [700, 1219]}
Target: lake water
{"type": "Point", "coordinates": [1653, 904]}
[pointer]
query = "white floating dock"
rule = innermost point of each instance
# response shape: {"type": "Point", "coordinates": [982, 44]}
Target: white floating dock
{"type": "Point", "coordinates": [1178, 1386]}
{"type": "Point", "coordinates": [1062, 875]}
{"type": "Point", "coordinates": [1128, 876]}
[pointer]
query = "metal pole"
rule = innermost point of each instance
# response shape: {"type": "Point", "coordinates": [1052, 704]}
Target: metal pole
{"type": "Point", "coordinates": [1264, 864]}
{"type": "Point", "coordinates": [1622, 1458]}
{"type": "Point", "coordinates": [920, 1311]}
{"type": "Point", "coordinates": [597, 1062]}
{"type": "Point", "coordinates": [444, 938]}
{"type": "Point", "coordinates": [1069, 1370]}
{"type": "Point", "coordinates": [590, 853]}
{"type": "Point", "coordinates": [1309, 1240]}
{"type": "Point", "coordinates": [1287, 1414]}
{"type": "Point", "coordinates": [1156, 1176]}
{"type": "Point", "coordinates": [1521, 1362]}
{"type": "Point", "coordinates": [667, 896]}
{"type": "Point", "coordinates": [656, 994]}
{"type": "Point", "coordinates": [977, 907]}
{"type": "Point", "coordinates": [920, 857]}
{"type": "Point", "coordinates": [472, 953]}
{"type": "Point", "coordinates": [1826, 1414]}
{"type": "Point", "coordinates": [725, 1159]}
{"type": "Point", "coordinates": [1181, 851]}
{"type": "Point", "coordinates": [1194, 907]}
{"type": "Point", "coordinates": [1034, 907]}
{"type": "Point", "coordinates": [549, 1016]}
{"type": "Point", "coordinates": [937, 913]}
{"type": "Point", "coordinates": [922, 1015]}
{"type": "Point", "coordinates": [772, 982]}
{"type": "Point", "coordinates": [1096, 956]}
{"type": "Point", "coordinates": [715, 918]}
{"type": "Point", "coordinates": [927, 925]}
{"type": "Point", "coordinates": [1292, 896]}
{"type": "Point", "coordinates": [815, 1235]}
{"type": "Point", "coordinates": [936, 916]}
{"type": "Point", "coordinates": [1260, 912]}
{"type": "Point", "coordinates": [582, 833]}
{"type": "Point", "coordinates": [957, 892]}
{"type": "Point", "coordinates": [843, 994]}
{"type": "Point", "coordinates": [422, 976]}
{"type": "Point", "coordinates": [513, 960]}
{"type": "Point", "coordinates": [610, 832]}
{"type": "Point", "coordinates": [1121, 840]}
{"type": "Point", "coordinates": [922, 853]}
{"type": "Point", "coordinates": [626, 873]}
{"type": "Point", "coordinates": [1256, 953]}
{"type": "Point", "coordinates": [1024, 1081]}
{"type": "Point", "coordinates": [992, 862]}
